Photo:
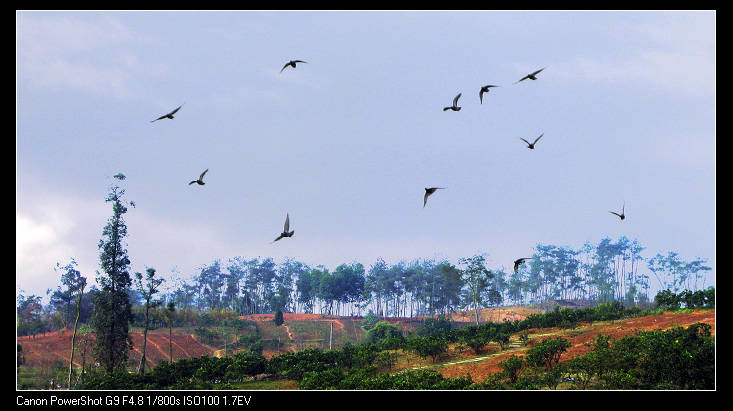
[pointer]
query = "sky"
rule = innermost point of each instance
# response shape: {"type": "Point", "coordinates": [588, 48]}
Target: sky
{"type": "Point", "coordinates": [346, 143]}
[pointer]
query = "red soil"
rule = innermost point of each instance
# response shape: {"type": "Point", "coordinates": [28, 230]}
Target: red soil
{"type": "Point", "coordinates": [46, 348]}
{"type": "Point", "coordinates": [479, 371]}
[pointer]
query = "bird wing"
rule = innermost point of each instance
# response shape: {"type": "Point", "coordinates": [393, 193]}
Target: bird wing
{"type": "Point", "coordinates": [281, 70]}
{"type": "Point", "coordinates": [615, 213]}
{"type": "Point", "coordinates": [202, 174]}
{"type": "Point", "coordinates": [538, 138]}
{"type": "Point", "coordinates": [300, 61]}
{"type": "Point", "coordinates": [538, 71]}
{"type": "Point", "coordinates": [192, 182]}
{"type": "Point", "coordinates": [446, 108]}
{"type": "Point", "coordinates": [481, 95]}
{"type": "Point", "coordinates": [287, 223]}
{"type": "Point", "coordinates": [522, 79]}
{"type": "Point", "coordinates": [524, 140]}
{"type": "Point", "coordinates": [279, 237]}
{"type": "Point", "coordinates": [455, 100]}
{"type": "Point", "coordinates": [425, 199]}
{"type": "Point", "coordinates": [174, 111]}
{"type": "Point", "coordinates": [160, 118]}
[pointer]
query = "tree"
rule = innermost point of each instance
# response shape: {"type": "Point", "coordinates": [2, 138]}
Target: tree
{"type": "Point", "coordinates": [29, 314]}
{"type": "Point", "coordinates": [63, 300]}
{"type": "Point", "coordinates": [512, 366]}
{"type": "Point", "coordinates": [501, 338]}
{"type": "Point", "coordinates": [477, 277]}
{"type": "Point", "coordinates": [112, 308]}
{"type": "Point", "coordinates": [82, 282]}
{"type": "Point", "coordinates": [278, 317]}
{"type": "Point", "coordinates": [382, 330]}
{"type": "Point", "coordinates": [432, 346]}
{"type": "Point", "coordinates": [147, 289]}
{"type": "Point", "coordinates": [168, 314]}
{"type": "Point", "coordinates": [547, 352]}
{"type": "Point", "coordinates": [369, 321]}
{"type": "Point", "coordinates": [683, 273]}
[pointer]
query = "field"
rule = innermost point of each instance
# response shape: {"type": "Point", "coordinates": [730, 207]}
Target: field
{"type": "Point", "coordinates": [303, 331]}
{"type": "Point", "coordinates": [55, 346]}
{"type": "Point", "coordinates": [479, 370]}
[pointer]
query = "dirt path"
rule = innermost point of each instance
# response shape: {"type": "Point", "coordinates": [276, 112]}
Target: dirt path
{"type": "Point", "coordinates": [290, 334]}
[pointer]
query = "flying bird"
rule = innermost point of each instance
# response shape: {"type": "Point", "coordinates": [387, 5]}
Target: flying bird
{"type": "Point", "coordinates": [292, 63]}
{"type": "Point", "coordinates": [285, 232]}
{"type": "Point", "coordinates": [621, 216]}
{"type": "Point", "coordinates": [531, 145]}
{"type": "Point", "coordinates": [454, 107]}
{"type": "Point", "coordinates": [518, 262]}
{"type": "Point", "coordinates": [169, 115]}
{"type": "Point", "coordinates": [200, 181]}
{"type": "Point", "coordinates": [484, 89]}
{"type": "Point", "coordinates": [531, 76]}
{"type": "Point", "coordinates": [428, 192]}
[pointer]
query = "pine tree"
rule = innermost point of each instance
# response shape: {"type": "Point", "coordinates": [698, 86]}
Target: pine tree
{"type": "Point", "coordinates": [112, 308]}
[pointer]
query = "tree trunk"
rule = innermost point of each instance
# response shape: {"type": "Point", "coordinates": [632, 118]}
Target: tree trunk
{"type": "Point", "coordinates": [170, 340]}
{"type": "Point", "coordinates": [141, 367]}
{"type": "Point", "coordinates": [73, 336]}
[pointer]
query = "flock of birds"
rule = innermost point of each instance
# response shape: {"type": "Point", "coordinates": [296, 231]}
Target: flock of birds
{"type": "Point", "coordinates": [428, 190]}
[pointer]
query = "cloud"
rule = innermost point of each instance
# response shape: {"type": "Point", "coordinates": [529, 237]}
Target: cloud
{"type": "Point", "coordinates": [37, 250]}
{"type": "Point", "coordinates": [53, 228]}
{"type": "Point", "coordinates": [673, 53]}
{"type": "Point", "coordinates": [61, 53]}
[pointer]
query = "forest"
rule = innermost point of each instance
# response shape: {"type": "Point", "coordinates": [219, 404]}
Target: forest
{"type": "Point", "coordinates": [607, 271]}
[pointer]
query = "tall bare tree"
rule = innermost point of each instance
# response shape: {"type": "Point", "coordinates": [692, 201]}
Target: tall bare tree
{"type": "Point", "coordinates": [82, 283]}
{"type": "Point", "coordinates": [147, 288]}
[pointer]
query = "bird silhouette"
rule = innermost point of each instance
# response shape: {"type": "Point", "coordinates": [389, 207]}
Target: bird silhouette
{"type": "Point", "coordinates": [428, 192]}
{"type": "Point", "coordinates": [484, 89]}
{"type": "Point", "coordinates": [292, 63]}
{"type": "Point", "coordinates": [285, 232]}
{"type": "Point", "coordinates": [531, 145]}
{"type": "Point", "coordinates": [200, 181]}
{"type": "Point", "coordinates": [531, 76]}
{"type": "Point", "coordinates": [454, 107]}
{"type": "Point", "coordinates": [169, 115]}
{"type": "Point", "coordinates": [518, 262]}
{"type": "Point", "coordinates": [621, 216]}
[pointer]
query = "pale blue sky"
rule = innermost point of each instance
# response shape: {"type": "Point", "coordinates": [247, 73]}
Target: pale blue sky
{"type": "Point", "coordinates": [347, 143]}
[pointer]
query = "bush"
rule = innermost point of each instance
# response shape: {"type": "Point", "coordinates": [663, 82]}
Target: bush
{"type": "Point", "coordinates": [511, 367]}
{"type": "Point", "coordinates": [440, 326]}
{"type": "Point", "coordinates": [547, 352]}
{"type": "Point", "coordinates": [428, 346]}
{"type": "Point", "coordinates": [245, 364]}
{"type": "Point", "coordinates": [382, 330]}
{"type": "Point", "coordinates": [369, 321]}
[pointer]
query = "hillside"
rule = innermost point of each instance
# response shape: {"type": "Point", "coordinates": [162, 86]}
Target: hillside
{"type": "Point", "coordinates": [44, 349]}
{"type": "Point", "coordinates": [298, 332]}
{"type": "Point", "coordinates": [578, 336]}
